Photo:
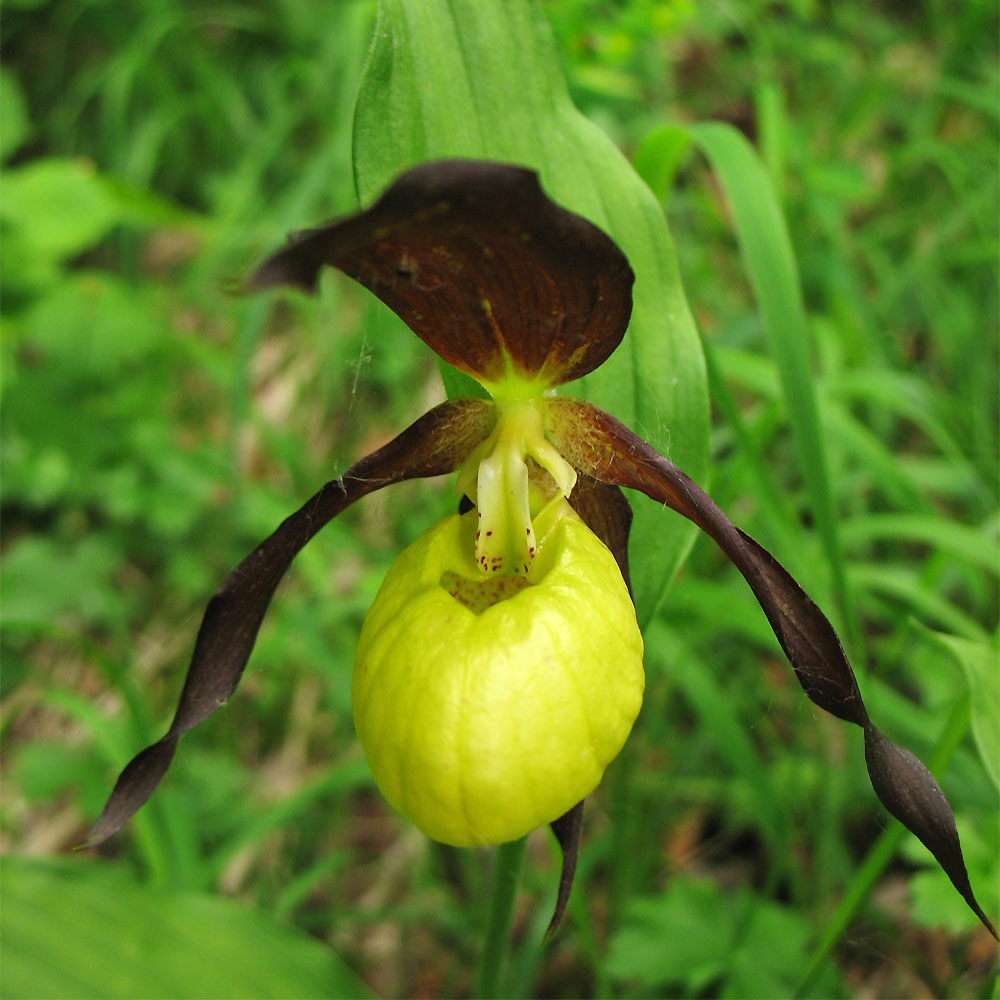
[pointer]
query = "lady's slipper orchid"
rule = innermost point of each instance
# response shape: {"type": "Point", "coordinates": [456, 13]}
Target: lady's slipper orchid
{"type": "Point", "coordinates": [499, 669]}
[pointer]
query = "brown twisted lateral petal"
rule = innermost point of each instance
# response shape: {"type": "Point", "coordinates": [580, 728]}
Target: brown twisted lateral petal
{"type": "Point", "coordinates": [435, 444]}
{"type": "Point", "coordinates": [482, 266]}
{"type": "Point", "coordinates": [602, 447]}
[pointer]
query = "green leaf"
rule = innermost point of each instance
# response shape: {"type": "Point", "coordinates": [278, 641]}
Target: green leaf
{"type": "Point", "coordinates": [694, 934]}
{"type": "Point", "coordinates": [979, 662]}
{"type": "Point", "coordinates": [74, 928]}
{"type": "Point", "coordinates": [46, 580]}
{"type": "Point", "coordinates": [771, 954]}
{"type": "Point", "coordinates": [682, 936]}
{"type": "Point", "coordinates": [441, 82]}
{"type": "Point", "coordinates": [94, 322]}
{"type": "Point", "coordinates": [60, 207]}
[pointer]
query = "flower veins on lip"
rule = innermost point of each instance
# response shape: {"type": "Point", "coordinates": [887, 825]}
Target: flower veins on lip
{"type": "Point", "coordinates": [496, 708]}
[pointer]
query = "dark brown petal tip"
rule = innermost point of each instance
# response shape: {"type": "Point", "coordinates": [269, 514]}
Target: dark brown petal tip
{"type": "Point", "coordinates": [567, 830]}
{"type": "Point", "coordinates": [488, 271]}
{"type": "Point", "coordinates": [600, 446]}
{"type": "Point", "coordinates": [435, 444]}
{"type": "Point", "coordinates": [908, 790]}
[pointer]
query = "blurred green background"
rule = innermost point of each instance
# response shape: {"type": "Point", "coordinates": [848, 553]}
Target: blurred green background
{"type": "Point", "coordinates": [156, 425]}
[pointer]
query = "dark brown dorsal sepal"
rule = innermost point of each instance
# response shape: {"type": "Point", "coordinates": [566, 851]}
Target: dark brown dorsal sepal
{"type": "Point", "coordinates": [489, 272]}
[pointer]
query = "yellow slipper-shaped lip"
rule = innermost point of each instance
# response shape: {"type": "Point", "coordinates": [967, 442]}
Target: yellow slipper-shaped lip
{"type": "Point", "coordinates": [488, 706]}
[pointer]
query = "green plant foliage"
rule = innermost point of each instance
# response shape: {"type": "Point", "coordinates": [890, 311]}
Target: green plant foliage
{"type": "Point", "coordinates": [979, 664]}
{"type": "Point", "coordinates": [64, 936]}
{"type": "Point", "coordinates": [155, 427]}
{"type": "Point", "coordinates": [694, 939]}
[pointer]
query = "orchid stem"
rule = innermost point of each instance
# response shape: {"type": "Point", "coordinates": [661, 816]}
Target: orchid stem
{"type": "Point", "coordinates": [506, 875]}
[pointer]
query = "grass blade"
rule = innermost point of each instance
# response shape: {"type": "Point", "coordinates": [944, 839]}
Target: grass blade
{"type": "Point", "coordinates": [770, 262]}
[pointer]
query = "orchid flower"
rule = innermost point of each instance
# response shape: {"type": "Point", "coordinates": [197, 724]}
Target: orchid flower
{"type": "Point", "coordinates": [499, 669]}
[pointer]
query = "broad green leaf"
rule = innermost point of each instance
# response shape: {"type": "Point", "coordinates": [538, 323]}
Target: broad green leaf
{"type": "Point", "coordinates": [771, 954]}
{"type": "Point", "coordinates": [36, 596]}
{"type": "Point", "coordinates": [682, 936]}
{"type": "Point", "coordinates": [60, 207]}
{"type": "Point", "coordinates": [770, 262]}
{"type": "Point", "coordinates": [482, 80]}
{"type": "Point", "coordinates": [95, 323]}
{"type": "Point", "coordinates": [712, 943]}
{"type": "Point", "coordinates": [979, 663]}
{"type": "Point", "coordinates": [85, 929]}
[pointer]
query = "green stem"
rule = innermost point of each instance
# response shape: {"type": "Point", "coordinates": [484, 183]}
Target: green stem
{"type": "Point", "coordinates": [881, 853]}
{"type": "Point", "coordinates": [506, 876]}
